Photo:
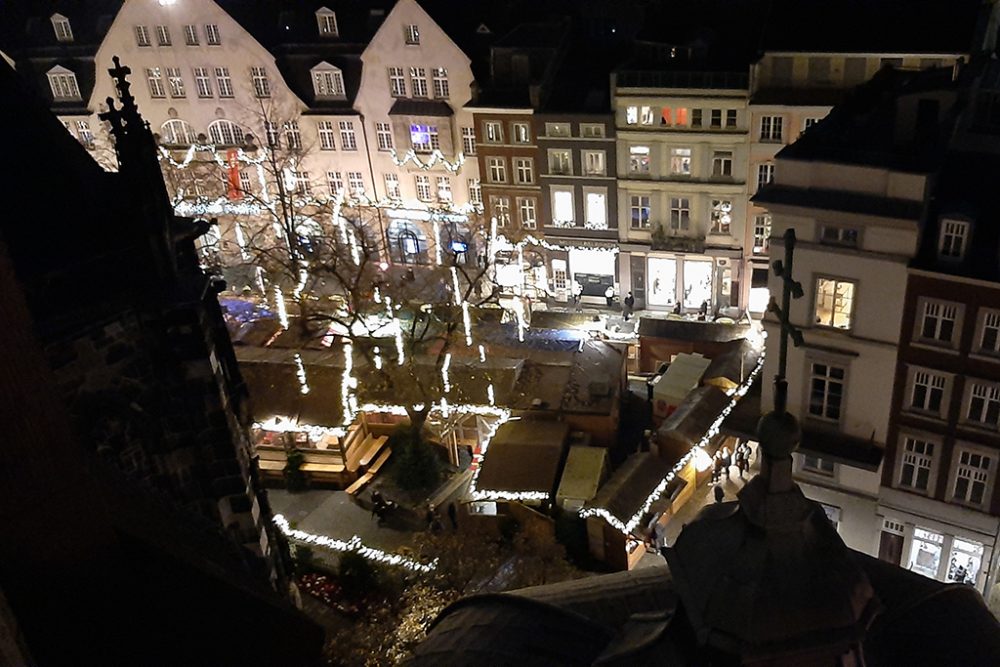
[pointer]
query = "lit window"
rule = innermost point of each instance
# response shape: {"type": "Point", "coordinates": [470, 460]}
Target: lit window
{"type": "Point", "coordinates": [722, 216]}
{"type": "Point", "coordinates": [424, 138]}
{"type": "Point", "coordinates": [680, 213]}
{"type": "Point", "coordinates": [212, 37]}
{"type": "Point", "coordinates": [526, 211]}
{"type": "Point", "coordinates": [765, 174]}
{"type": "Point", "coordinates": [983, 404]}
{"type": "Point", "coordinates": [965, 562]}
{"type": "Point", "coordinates": [444, 189]}
{"type": "Point", "coordinates": [646, 116]}
{"type": "Point", "coordinates": [469, 140]}
{"type": "Point", "coordinates": [224, 81]}
{"type": "Point", "coordinates": [84, 134]}
{"type": "Point", "coordinates": [520, 133]}
{"type": "Point", "coordinates": [418, 81]}
{"type": "Point", "coordinates": [989, 334]}
{"type": "Point", "coordinates": [925, 554]}
{"type": "Point", "coordinates": [475, 191]}
{"type": "Point", "coordinates": [556, 130]}
{"type": "Point", "coordinates": [303, 187]}
{"type": "Point", "coordinates": [722, 163]}
{"type": "Point", "coordinates": [356, 183]}
{"type": "Point", "coordinates": [336, 182]}
{"type": "Point", "coordinates": [761, 233]}
{"type": "Point", "coordinates": [397, 82]}
{"type": "Point", "coordinates": [328, 82]}
{"type": "Point", "coordinates": [916, 464]}
{"type": "Point", "coordinates": [272, 135]}
{"type": "Point", "coordinates": [497, 169]}
{"type": "Point", "coordinates": [524, 171]}
{"type": "Point", "coordinates": [770, 128]}
{"type": "Point", "coordinates": [638, 159]}
{"type": "Point", "coordinates": [383, 136]}
{"type": "Point", "coordinates": [261, 85]}
{"type": "Point", "coordinates": [826, 391]}
{"type": "Point", "coordinates": [244, 190]}
{"type": "Point", "coordinates": [141, 35]}
{"type": "Point", "coordinates": [293, 137]}
{"type": "Point", "coordinates": [326, 20]}
{"type": "Point", "coordinates": [809, 122]}
{"type": "Point", "coordinates": [593, 163]}
{"type": "Point", "coordinates": [680, 161]}
{"type": "Point", "coordinates": [501, 210]}
{"type": "Point", "coordinates": [60, 25]}
{"type": "Point", "coordinates": [191, 35]}
{"type": "Point", "coordinates": [560, 162]}
{"type": "Point", "coordinates": [175, 82]}
{"type": "Point", "coordinates": [562, 206]}
{"type": "Point", "coordinates": [423, 187]}
{"type": "Point", "coordinates": [938, 321]}
{"type": "Point", "coordinates": [676, 117]}
{"type": "Point", "coordinates": [640, 211]}
{"type": "Point", "coordinates": [973, 476]}
{"type": "Point", "coordinates": [202, 83]}
{"type": "Point", "coordinates": [631, 115]}
{"type": "Point", "coordinates": [954, 234]}
{"type": "Point", "coordinates": [348, 139]}
{"type": "Point", "coordinates": [225, 133]}
{"type": "Point", "coordinates": [163, 35]}
{"type": "Point", "coordinates": [411, 34]}
{"type": "Point", "coordinates": [62, 82]}
{"type": "Point", "coordinates": [839, 235]}
{"type": "Point", "coordinates": [392, 187]}
{"type": "Point", "coordinates": [439, 79]}
{"type": "Point", "coordinates": [834, 301]}
{"type": "Point", "coordinates": [154, 77]}
{"type": "Point", "coordinates": [597, 210]}
{"type": "Point", "coordinates": [494, 132]}
{"type": "Point", "coordinates": [927, 394]}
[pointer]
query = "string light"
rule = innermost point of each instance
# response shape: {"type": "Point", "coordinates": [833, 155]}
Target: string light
{"type": "Point", "coordinates": [436, 156]}
{"type": "Point", "coordinates": [345, 383]}
{"type": "Point", "coordinates": [467, 323]}
{"type": "Point", "coordinates": [378, 358]}
{"type": "Point", "coordinates": [300, 371]}
{"type": "Point", "coordinates": [627, 527]}
{"type": "Point", "coordinates": [444, 372]}
{"type": "Point", "coordinates": [457, 289]}
{"type": "Point", "coordinates": [489, 393]}
{"type": "Point", "coordinates": [352, 545]}
{"type": "Point", "coordinates": [482, 354]}
{"type": "Point", "coordinates": [279, 304]}
{"type": "Point", "coordinates": [437, 242]}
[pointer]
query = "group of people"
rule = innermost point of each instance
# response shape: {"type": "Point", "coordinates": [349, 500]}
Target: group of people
{"type": "Point", "coordinates": [433, 518]}
{"type": "Point", "coordinates": [725, 459]}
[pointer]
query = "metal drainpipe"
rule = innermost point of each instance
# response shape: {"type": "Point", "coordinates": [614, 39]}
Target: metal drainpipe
{"type": "Point", "coordinates": [371, 173]}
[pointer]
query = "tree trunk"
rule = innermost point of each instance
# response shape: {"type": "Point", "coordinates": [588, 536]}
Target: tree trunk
{"type": "Point", "coordinates": [418, 418]}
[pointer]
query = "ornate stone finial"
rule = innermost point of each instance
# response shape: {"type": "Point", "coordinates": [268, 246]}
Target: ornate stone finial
{"type": "Point", "coordinates": [118, 73]}
{"type": "Point", "coordinates": [114, 118]}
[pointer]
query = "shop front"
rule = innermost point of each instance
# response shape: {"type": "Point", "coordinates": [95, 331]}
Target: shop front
{"type": "Point", "coordinates": [593, 269]}
{"type": "Point", "coordinates": [682, 283]}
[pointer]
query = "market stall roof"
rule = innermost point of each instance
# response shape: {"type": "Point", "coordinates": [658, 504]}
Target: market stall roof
{"type": "Point", "coordinates": [682, 375]}
{"type": "Point", "coordinates": [582, 473]}
{"type": "Point", "coordinates": [683, 329]}
{"type": "Point", "coordinates": [524, 455]}
{"type": "Point", "coordinates": [626, 491]}
{"type": "Point", "coordinates": [733, 365]}
{"type": "Point", "coordinates": [692, 419]}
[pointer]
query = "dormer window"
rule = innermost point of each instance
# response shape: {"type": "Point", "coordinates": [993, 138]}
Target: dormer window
{"type": "Point", "coordinates": [328, 81]}
{"type": "Point", "coordinates": [954, 239]}
{"type": "Point", "coordinates": [327, 22]}
{"type": "Point", "coordinates": [63, 84]}
{"type": "Point", "coordinates": [411, 34]}
{"type": "Point", "coordinates": [60, 24]}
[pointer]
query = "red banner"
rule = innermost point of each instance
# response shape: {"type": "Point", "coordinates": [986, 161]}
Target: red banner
{"type": "Point", "coordinates": [235, 192]}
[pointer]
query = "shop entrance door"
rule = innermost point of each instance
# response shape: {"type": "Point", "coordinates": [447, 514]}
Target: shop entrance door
{"type": "Point", "coordinates": [638, 268]}
{"type": "Point", "coordinates": [890, 547]}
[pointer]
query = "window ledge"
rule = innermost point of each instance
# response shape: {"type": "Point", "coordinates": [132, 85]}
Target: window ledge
{"type": "Point", "coordinates": [980, 356]}
{"type": "Point", "coordinates": [925, 344]}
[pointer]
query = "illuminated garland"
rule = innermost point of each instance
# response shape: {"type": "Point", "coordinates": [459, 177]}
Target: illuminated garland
{"type": "Point", "coordinates": [352, 545]}
{"type": "Point", "coordinates": [164, 154]}
{"type": "Point", "coordinates": [436, 156]}
{"type": "Point", "coordinates": [627, 527]}
{"type": "Point", "coordinates": [300, 371]}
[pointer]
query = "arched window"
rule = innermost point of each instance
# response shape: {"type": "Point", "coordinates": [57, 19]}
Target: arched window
{"type": "Point", "coordinates": [408, 243]}
{"type": "Point", "coordinates": [177, 132]}
{"type": "Point", "coordinates": [225, 132]}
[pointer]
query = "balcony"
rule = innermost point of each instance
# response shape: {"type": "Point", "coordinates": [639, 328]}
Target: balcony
{"type": "Point", "coordinates": [661, 239]}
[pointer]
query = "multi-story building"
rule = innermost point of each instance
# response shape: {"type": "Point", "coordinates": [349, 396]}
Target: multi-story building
{"type": "Point", "coordinates": [939, 501]}
{"type": "Point", "coordinates": [681, 127]}
{"type": "Point", "coordinates": [853, 189]}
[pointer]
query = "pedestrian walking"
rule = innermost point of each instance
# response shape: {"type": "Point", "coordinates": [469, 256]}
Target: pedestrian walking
{"type": "Point", "coordinates": [433, 521]}
{"type": "Point", "coordinates": [377, 503]}
{"type": "Point", "coordinates": [453, 515]}
{"type": "Point", "coordinates": [577, 292]}
{"type": "Point", "coordinates": [719, 493]}
{"type": "Point", "coordinates": [727, 460]}
{"type": "Point", "coordinates": [609, 295]}
{"type": "Point", "coordinates": [717, 468]}
{"type": "Point", "coordinates": [629, 305]}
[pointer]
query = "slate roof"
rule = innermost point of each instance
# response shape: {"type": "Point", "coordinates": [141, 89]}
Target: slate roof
{"type": "Point", "coordinates": [627, 489]}
{"type": "Point", "coordinates": [838, 200]}
{"type": "Point", "coordinates": [410, 107]}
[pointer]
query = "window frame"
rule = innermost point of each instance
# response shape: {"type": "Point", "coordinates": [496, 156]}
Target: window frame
{"type": "Point", "coordinates": [212, 35]}
{"type": "Point", "coordinates": [496, 169]}
{"type": "Point", "coordinates": [527, 204]}
{"type": "Point", "coordinates": [175, 83]}
{"type": "Point", "coordinates": [772, 129]}
{"type": "Point", "coordinates": [982, 318]}
{"type": "Point", "coordinates": [839, 239]}
{"type": "Point", "coordinates": [963, 447]}
{"type": "Point", "coordinates": [679, 213]}
{"type": "Point", "coordinates": [328, 83]}
{"type": "Point", "coordinates": [418, 75]}
{"type": "Point", "coordinates": [632, 161]}
{"type": "Point", "coordinates": [162, 33]}
{"type": "Point", "coordinates": [524, 166]}
{"type": "Point", "coordinates": [190, 31]}
{"type": "Point", "coordinates": [563, 190]}
{"type": "Point", "coordinates": [924, 305]}
{"type": "Point", "coordinates": [411, 34]}
{"type": "Point", "coordinates": [327, 135]}
{"type": "Point", "coordinates": [636, 206]}
{"type": "Point", "coordinates": [552, 153]}
{"type": "Point", "coordinates": [61, 28]}
{"type": "Point", "coordinates": [764, 168]}
{"type": "Point", "coordinates": [492, 132]}
{"type": "Point", "coordinates": [679, 159]}
{"type": "Point", "coordinates": [202, 82]}
{"type": "Point", "coordinates": [722, 164]}
{"type": "Point", "coordinates": [811, 375]}
{"type": "Point", "coordinates": [854, 301]}
{"type": "Point", "coordinates": [440, 87]}
{"type": "Point", "coordinates": [469, 140]}
{"type": "Point", "coordinates": [155, 83]}
{"type": "Point", "coordinates": [348, 135]}
{"type": "Point", "coordinates": [392, 186]}
{"type": "Point", "coordinates": [517, 127]}
{"type": "Point", "coordinates": [992, 395]}
{"type": "Point", "coordinates": [326, 22]}
{"type": "Point", "coordinates": [915, 459]}
{"type": "Point", "coordinates": [944, 234]}
{"type": "Point", "coordinates": [224, 82]}
{"type": "Point", "coordinates": [261, 82]}
{"type": "Point", "coordinates": [63, 80]}
{"type": "Point", "coordinates": [383, 136]}
{"type": "Point", "coordinates": [931, 379]}
{"type": "Point", "coordinates": [817, 465]}
{"type": "Point", "coordinates": [587, 130]}
{"type": "Point", "coordinates": [595, 224]}
{"type": "Point", "coordinates": [500, 209]}
{"type": "Point", "coordinates": [762, 221]}
{"type": "Point", "coordinates": [723, 229]}
{"type": "Point", "coordinates": [397, 81]}
{"type": "Point", "coordinates": [141, 33]}
{"type": "Point", "coordinates": [586, 155]}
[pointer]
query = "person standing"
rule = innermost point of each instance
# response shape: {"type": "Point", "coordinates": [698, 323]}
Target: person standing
{"type": "Point", "coordinates": [609, 295]}
{"type": "Point", "coordinates": [453, 515]}
{"type": "Point", "coordinates": [727, 460]}
{"type": "Point", "coordinates": [577, 292]}
{"type": "Point", "coordinates": [719, 493]}
{"type": "Point", "coordinates": [629, 305]}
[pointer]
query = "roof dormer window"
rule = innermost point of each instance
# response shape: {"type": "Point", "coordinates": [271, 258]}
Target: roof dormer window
{"type": "Point", "coordinates": [411, 34]}
{"type": "Point", "coordinates": [63, 84]}
{"type": "Point", "coordinates": [327, 22]}
{"type": "Point", "coordinates": [60, 24]}
{"type": "Point", "coordinates": [328, 81]}
{"type": "Point", "coordinates": [954, 240]}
